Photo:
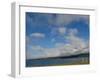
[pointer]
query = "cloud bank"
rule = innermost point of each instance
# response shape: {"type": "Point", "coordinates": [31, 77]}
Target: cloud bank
{"type": "Point", "coordinates": [75, 46]}
{"type": "Point", "coordinates": [38, 35]}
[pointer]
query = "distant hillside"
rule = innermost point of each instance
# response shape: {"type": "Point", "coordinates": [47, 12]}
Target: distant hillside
{"type": "Point", "coordinates": [62, 57]}
{"type": "Point", "coordinates": [78, 55]}
{"type": "Point", "coordinates": [64, 60]}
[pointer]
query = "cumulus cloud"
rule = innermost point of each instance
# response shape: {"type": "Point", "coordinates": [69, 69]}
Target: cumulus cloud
{"type": "Point", "coordinates": [34, 52]}
{"type": "Point", "coordinates": [40, 52]}
{"type": "Point", "coordinates": [38, 35]}
{"type": "Point", "coordinates": [74, 40]}
{"type": "Point", "coordinates": [62, 30]}
{"type": "Point", "coordinates": [60, 50]}
{"type": "Point", "coordinates": [76, 45]}
{"type": "Point", "coordinates": [72, 32]}
{"type": "Point", "coordinates": [59, 31]}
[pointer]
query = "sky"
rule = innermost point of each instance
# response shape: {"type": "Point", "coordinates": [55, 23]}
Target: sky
{"type": "Point", "coordinates": [53, 35]}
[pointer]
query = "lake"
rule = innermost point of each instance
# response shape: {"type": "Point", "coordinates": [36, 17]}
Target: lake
{"type": "Point", "coordinates": [58, 61]}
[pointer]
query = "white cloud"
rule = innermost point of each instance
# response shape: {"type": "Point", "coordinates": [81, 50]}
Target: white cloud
{"type": "Point", "coordinates": [38, 35]}
{"type": "Point", "coordinates": [53, 52]}
{"type": "Point", "coordinates": [75, 46]}
{"type": "Point", "coordinates": [72, 32]}
{"type": "Point", "coordinates": [63, 50]}
{"type": "Point", "coordinates": [62, 30]}
{"type": "Point", "coordinates": [34, 52]}
{"type": "Point", "coordinates": [59, 31]}
{"type": "Point", "coordinates": [74, 40]}
{"type": "Point", "coordinates": [40, 52]}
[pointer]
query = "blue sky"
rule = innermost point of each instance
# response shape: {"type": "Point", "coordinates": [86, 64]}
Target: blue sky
{"type": "Point", "coordinates": [46, 30]}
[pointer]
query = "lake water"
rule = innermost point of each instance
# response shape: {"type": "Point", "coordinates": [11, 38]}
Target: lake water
{"type": "Point", "coordinates": [74, 60]}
